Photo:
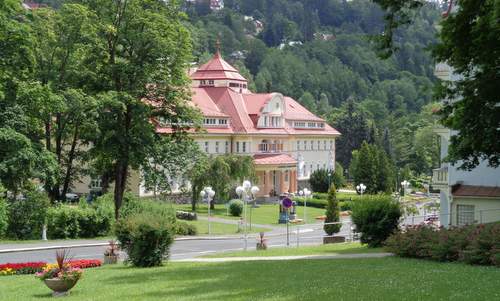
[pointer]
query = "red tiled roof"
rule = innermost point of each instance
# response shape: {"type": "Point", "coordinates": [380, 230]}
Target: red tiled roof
{"type": "Point", "coordinates": [274, 159]}
{"type": "Point", "coordinates": [475, 191]}
{"type": "Point", "coordinates": [217, 68]}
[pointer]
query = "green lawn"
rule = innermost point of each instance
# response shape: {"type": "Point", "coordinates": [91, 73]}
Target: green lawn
{"type": "Point", "coordinates": [221, 228]}
{"type": "Point", "coordinates": [340, 248]}
{"type": "Point", "coordinates": [265, 214]}
{"type": "Point", "coordinates": [340, 279]}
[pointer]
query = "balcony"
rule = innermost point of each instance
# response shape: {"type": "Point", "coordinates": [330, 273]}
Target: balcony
{"type": "Point", "coordinates": [271, 147]}
{"type": "Point", "coordinates": [440, 177]}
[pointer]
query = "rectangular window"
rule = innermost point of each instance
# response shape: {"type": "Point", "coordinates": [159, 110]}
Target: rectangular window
{"type": "Point", "coordinates": [331, 144]}
{"type": "Point", "coordinates": [298, 145]}
{"type": "Point", "coordinates": [244, 147]}
{"type": "Point", "coordinates": [312, 145]}
{"type": "Point", "coordinates": [286, 176]}
{"type": "Point", "coordinates": [206, 146]}
{"type": "Point", "coordinates": [237, 147]}
{"type": "Point", "coordinates": [305, 145]}
{"type": "Point", "coordinates": [223, 121]}
{"type": "Point", "coordinates": [319, 145]}
{"type": "Point", "coordinates": [210, 82]}
{"type": "Point", "coordinates": [324, 145]}
{"type": "Point", "coordinates": [465, 215]}
{"type": "Point", "coordinates": [227, 147]}
{"type": "Point", "coordinates": [217, 146]}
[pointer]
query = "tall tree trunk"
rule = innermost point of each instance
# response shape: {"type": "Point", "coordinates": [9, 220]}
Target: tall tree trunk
{"type": "Point", "coordinates": [120, 185]}
{"type": "Point", "coordinates": [71, 157]}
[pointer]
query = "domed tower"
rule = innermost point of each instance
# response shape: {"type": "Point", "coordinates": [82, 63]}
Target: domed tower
{"type": "Point", "coordinates": [219, 73]}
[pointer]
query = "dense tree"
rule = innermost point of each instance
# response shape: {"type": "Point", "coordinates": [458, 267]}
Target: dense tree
{"type": "Point", "coordinates": [371, 167]}
{"type": "Point", "coordinates": [142, 51]}
{"type": "Point", "coordinates": [354, 128]}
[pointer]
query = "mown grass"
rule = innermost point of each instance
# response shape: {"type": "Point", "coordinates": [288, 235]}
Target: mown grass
{"type": "Point", "coordinates": [221, 228]}
{"type": "Point", "coordinates": [338, 279]}
{"type": "Point", "coordinates": [339, 248]}
{"type": "Point", "coordinates": [265, 214]}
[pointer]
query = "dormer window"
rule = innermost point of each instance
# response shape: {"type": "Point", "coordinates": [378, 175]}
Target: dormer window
{"type": "Point", "coordinates": [211, 82]}
{"type": "Point", "coordinates": [308, 125]}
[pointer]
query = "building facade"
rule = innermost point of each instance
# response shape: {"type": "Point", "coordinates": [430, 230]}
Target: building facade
{"type": "Point", "coordinates": [466, 197]}
{"type": "Point", "coordinates": [286, 141]}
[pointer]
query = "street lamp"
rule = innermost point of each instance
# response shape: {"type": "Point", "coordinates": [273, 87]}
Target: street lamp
{"type": "Point", "coordinates": [245, 192]}
{"type": "Point", "coordinates": [208, 193]}
{"type": "Point", "coordinates": [306, 193]}
{"type": "Point", "coordinates": [405, 184]}
{"type": "Point", "coordinates": [361, 188]}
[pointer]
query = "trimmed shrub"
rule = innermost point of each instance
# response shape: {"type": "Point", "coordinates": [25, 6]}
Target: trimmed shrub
{"type": "Point", "coordinates": [311, 202]}
{"type": "Point", "coordinates": [332, 213]}
{"type": "Point", "coordinates": [146, 238]}
{"type": "Point", "coordinates": [376, 218]}
{"type": "Point", "coordinates": [184, 215]}
{"type": "Point", "coordinates": [183, 228]}
{"type": "Point", "coordinates": [27, 216]}
{"type": "Point", "coordinates": [476, 244]}
{"type": "Point", "coordinates": [235, 207]}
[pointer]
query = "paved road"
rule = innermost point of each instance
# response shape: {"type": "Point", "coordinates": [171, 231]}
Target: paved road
{"type": "Point", "coordinates": [183, 249]}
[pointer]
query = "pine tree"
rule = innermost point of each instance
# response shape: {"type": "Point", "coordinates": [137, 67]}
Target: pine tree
{"type": "Point", "coordinates": [332, 212]}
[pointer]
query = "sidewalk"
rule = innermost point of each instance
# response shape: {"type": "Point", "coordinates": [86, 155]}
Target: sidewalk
{"type": "Point", "coordinates": [315, 257]}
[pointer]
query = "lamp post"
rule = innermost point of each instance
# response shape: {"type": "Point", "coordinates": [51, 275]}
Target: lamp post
{"type": "Point", "coordinates": [361, 188]}
{"type": "Point", "coordinates": [306, 193]}
{"type": "Point", "coordinates": [405, 184]}
{"type": "Point", "coordinates": [208, 193]}
{"type": "Point", "coordinates": [246, 191]}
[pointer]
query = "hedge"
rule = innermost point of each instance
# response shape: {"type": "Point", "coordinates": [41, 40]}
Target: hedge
{"type": "Point", "coordinates": [475, 244]}
{"type": "Point", "coordinates": [344, 205]}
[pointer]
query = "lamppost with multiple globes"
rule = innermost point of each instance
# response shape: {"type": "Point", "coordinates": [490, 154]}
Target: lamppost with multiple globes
{"type": "Point", "coordinates": [404, 185]}
{"type": "Point", "coordinates": [306, 193]}
{"type": "Point", "coordinates": [361, 188]}
{"type": "Point", "coordinates": [208, 193]}
{"type": "Point", "coordinates": [245, 192]}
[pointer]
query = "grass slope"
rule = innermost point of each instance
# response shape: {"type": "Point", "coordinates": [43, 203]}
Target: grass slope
{"type": "Point", "coordinates": [341, 279]}
{"type": "Point", "coordinates": [265, 214]}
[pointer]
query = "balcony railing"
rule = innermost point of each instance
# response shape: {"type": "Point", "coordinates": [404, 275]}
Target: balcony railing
{"type": "Point", "coordinates": [270, 147]}
{"type": "Point", "coordinates": [440, 176]}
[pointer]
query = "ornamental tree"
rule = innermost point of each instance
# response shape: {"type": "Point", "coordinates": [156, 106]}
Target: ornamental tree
{"type": "Point", "coordinates": [332, 212]}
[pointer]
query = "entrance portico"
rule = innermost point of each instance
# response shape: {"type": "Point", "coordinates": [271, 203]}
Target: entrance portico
{"type": "Point", "coordinates": [276, 173]}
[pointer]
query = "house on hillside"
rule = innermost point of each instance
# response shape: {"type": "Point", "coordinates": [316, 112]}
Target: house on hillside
{"type": "Point", "coordinates": [286, 141]}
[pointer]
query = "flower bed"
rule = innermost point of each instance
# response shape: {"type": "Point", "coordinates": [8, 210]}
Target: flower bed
{"type": "Point", "coordinates": [37, 267]}
{"type": "Point", "coordinates": [22, 268]}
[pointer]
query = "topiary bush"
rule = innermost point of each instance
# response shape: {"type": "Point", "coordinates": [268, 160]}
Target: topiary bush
{"type": "Point", "coordinates": [27, 216]}
{"type": "Point", "coordinates": [376, 217]}
{"type": "Point", "coordinates": [146, 238]}
{"type": "Point", "coordinates": [332, 213]}
{"type": "Point", "coordinates": [235, 207]}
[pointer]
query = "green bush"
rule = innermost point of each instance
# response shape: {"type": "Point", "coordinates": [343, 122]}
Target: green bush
{"type": "Point", "coordinates": [66, 221]}
{"type": "Point", "coordinates": [62, 222]}
{"type": "Point", "coordinates": [332, 213]}
{"type": "Point", "coordinates": [4, 215]}
{"type": "Point", "coordinates": [476, 244]}
{"type": "Point", "coordinates": [146, 238]}
{"type": "Point", "coordinates": [311, 202]}
{"type": "Point", "coordinates": [376, 218]}
{"type": "Point", "coordinates": [27, 216]}
{"type": "Point", "coordinates": [320, 180]}
{"type": "Point", "coordinates": [183, 228]}
{"type": "Point", "coordinates": [235, 207]}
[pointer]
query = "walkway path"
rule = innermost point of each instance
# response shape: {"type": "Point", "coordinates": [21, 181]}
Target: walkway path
{"type": "Point", "coordinates": [263, 258]}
